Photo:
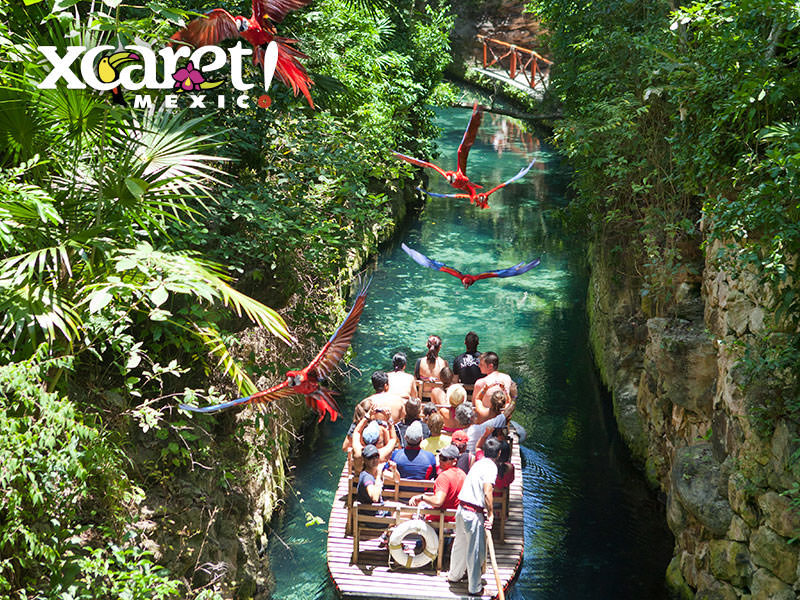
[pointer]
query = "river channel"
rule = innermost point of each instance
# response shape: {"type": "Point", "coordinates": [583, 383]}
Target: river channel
{"type": "Point", "coordinates": [593, 530]}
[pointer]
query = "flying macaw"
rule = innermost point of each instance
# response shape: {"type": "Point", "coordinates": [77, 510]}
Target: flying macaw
{"type": "Point", "coordinates": [468, 280]}
{"type": "Point", "coordinates": [307, 381]}
{"type": "Point", "coordinates": [218, 24]}
{"type": "Point", "coordinates": [482, 198]}
{"type": "Point", "coordinates": [458, 178]}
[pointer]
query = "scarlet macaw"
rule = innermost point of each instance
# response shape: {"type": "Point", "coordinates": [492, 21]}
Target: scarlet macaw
{"type": "Point", "coordinates": [458, 178]}
{"type": "Point", "coordinates": [468, 280]}
{"type": "Point", "coordinates": [218, 24]}
{"type": "Point", "coordinates": [307, 381]}
{"type": "Point", "coordinates": [482, 198]}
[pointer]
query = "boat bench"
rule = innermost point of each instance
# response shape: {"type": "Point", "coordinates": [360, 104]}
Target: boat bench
{"type": "Point", "coordinates": [362, 521]}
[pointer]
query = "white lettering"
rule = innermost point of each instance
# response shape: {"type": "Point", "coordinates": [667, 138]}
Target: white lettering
{"type": "Point", "coordinates": [221, 101]}
{"type": "Point", "coordinates": [88, 69]}
{"type": "Point", "coordinates": [242, 101]}
{"type": "Point", "coordinates": [142, 101]}
{"type": "Point", "coordinates": [171, 58]}
{"type": "Point", "coordinates": [237, 52]}
{"type": "Point", "coordinates": [148, 70]}
{"type": "Point", "coordinates": [171, 101]}
{"type": "Point", "coordinates": [270, 62]}
{"type": "Point", "coordinates": [61, 67]}
{"type": "Point", "coordinates": [219, 58]}
{"type": "Point", "coordinates": [197, 101]}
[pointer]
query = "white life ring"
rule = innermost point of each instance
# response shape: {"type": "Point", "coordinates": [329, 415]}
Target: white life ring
{"type": "Point", "coordinates": [429, 551]}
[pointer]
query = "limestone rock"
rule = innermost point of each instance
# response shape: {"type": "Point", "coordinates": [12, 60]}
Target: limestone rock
{"type": "Point", "coordinates": [629, 421]}
{"type": "Point", "coordinates": [778, 514]}
{"type": "Point", "coordinates": [730, 561]}
{"type": "Point", "coordinates": [739, 531]}
{"type": "Point", "coordinates": [770, 550]}
{"type": "Point", "coordinates": [676, 584]}
{"type": "Point", "coordinates": [765, 586]}
{"type": "Point", "coordinates": [739, 495]}
{"type": "Point", "coordinates": [717, 590]}
{"type": "Point", "coordinates": [683, 361]}
{"type": "Point", "coordinates": [700, 485]}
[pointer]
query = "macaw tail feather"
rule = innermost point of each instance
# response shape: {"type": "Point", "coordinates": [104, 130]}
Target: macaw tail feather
{"type": "Point", "coordinates": [215, 407]}
{"type": "Point", "coordinates": [289, 69]}
{"type": "Point", "coordinates": [322, 401]}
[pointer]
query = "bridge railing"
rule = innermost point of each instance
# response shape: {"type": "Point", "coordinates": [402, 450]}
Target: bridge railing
{"type": "Point", "coordinates": [520, 60]}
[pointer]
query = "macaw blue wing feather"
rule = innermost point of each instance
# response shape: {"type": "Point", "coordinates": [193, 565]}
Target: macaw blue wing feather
{"type": "Point", "coordinates": [421, 259]}
{"type": "Point", "coordinates": [522, 173]}
{"type": "Point", "coordinates": [517, 269]}
{"type": "Point", "coordinates": [435, 195]}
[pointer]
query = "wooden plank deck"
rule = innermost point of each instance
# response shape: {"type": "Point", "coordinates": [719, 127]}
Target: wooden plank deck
{"type": "Point", "coordinates": [372, 577]}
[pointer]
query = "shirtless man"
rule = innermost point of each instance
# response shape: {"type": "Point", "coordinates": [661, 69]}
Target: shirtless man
{"type": "Point", "coordinates": [492, 381]}
{"type": "Point", "coordinates": [400, 382]}
{"type": "Point", "coordinates": [383, 398]}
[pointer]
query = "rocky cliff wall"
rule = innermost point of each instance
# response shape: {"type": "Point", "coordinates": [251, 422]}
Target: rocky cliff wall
{"type": "Point", "coordinates": [680, 406]}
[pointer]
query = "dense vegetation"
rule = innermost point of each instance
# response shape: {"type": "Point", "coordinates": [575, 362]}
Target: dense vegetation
{"type": "Point", "coordinates": [682, 125]}
{"type": "Point", "coordinates": [122, 233]}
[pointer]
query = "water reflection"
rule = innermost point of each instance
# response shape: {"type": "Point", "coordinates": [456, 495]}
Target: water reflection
{"type": "Point", "coordinates": [592, 528]}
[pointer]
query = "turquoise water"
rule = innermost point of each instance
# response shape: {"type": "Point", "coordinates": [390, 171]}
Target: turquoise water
{"type": "Point", "coordinates": [592, 529]}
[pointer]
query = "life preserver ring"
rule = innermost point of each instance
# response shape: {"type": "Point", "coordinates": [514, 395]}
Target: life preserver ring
{"type": "Point", "coordinates": [429, 550]}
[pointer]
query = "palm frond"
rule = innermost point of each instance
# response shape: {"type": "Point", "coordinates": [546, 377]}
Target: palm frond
{"type": "Point", "coordinates": [184, 273]}
{"type": "Point", "coordinates": [216, 346]}
{"type": "Point", "coordinates": [34, 310]}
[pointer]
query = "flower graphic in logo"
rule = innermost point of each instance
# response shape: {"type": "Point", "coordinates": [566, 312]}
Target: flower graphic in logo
{"type": "Point", "coordinates": [188, 78]}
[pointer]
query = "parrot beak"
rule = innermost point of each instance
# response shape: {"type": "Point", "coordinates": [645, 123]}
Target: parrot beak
{"type": "Point", "coordinates": [119, 58]}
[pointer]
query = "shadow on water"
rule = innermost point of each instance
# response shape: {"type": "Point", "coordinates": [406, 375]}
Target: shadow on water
{"type": "Point", "coordinates": [592, 528]}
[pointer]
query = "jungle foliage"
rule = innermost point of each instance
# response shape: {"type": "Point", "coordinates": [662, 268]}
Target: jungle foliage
{"type": "Point", "coordinates": [682, 125]}
{"type": "Point", "coordinates": [122, 234]}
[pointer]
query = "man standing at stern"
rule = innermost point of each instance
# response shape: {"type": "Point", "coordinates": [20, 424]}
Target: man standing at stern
{"type": "Point", "coordinates": [474, 515]}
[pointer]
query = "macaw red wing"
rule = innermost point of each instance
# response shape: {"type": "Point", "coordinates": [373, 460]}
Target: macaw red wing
{"type": "Point", "coordinates": [420, 163]}
{"type": "Point", "coordinates": [281, 390]}
{"type": "Point", "coordinates": [288, 68]}
{"type": "Point", "coordinates": [276, 10]}
{"type": "Point", "coordinates": [322, 401]}
{"type": "Point", "coordinates": [337, 345]}
{"type": "Point", "coordinates": [522, 173]}
{"type": "Point", "coordinates": [210, 30]}
{"type": "Point", "coordinates": [469, 137]}
{"type": "Point", "coordinates": [423, 260]}
{"type": "Point", "coordinates": [517, 269]}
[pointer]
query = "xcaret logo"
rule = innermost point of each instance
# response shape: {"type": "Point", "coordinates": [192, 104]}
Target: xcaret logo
{"type": "Point", "coordinates": [109, 69]}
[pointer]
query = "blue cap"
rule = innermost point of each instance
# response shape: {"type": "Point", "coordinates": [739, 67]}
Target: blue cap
{"type": "Point", "coordinates": [371, 433]}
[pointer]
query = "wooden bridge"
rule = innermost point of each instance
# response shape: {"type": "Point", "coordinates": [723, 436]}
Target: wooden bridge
{"type": "Point", "coordinates": [520, 67]}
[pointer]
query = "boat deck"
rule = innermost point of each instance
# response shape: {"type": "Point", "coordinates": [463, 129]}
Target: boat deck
{"type": "Point", "coordinates": [372, 577]}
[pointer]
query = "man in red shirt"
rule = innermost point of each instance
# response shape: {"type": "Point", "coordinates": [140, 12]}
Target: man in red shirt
{"type": "Point", "coordinates": [447, 485]}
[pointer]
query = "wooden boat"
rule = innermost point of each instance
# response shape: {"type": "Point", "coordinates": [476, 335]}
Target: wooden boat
{"type": "Point", "coordinates": [360, 568]}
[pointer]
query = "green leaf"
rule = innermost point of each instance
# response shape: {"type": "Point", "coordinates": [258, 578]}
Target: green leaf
{"type": "Point", "coordinates": [99, 300]}
{"type": "Point", "coordinates": [159, 295]}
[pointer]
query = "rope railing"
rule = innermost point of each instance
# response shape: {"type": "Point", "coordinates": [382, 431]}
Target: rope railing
{"type": "Point", "coordinates": [520, 60]}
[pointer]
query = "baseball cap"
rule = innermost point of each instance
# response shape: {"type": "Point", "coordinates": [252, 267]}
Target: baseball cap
{"type": "Point", "coordinates": [414, 434]}
{"type": "Point", "coordinates": [370, 451]}
{"type": "Point", "coordinates": [371, 433]}
{"type": "Point", "coordinates": [449, 453]}
{"type": "Point", "coordinates": [459, 437]}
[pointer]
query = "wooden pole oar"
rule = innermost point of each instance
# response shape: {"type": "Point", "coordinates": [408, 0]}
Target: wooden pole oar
{"type": "Point", "coordinates": [489, 542]}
